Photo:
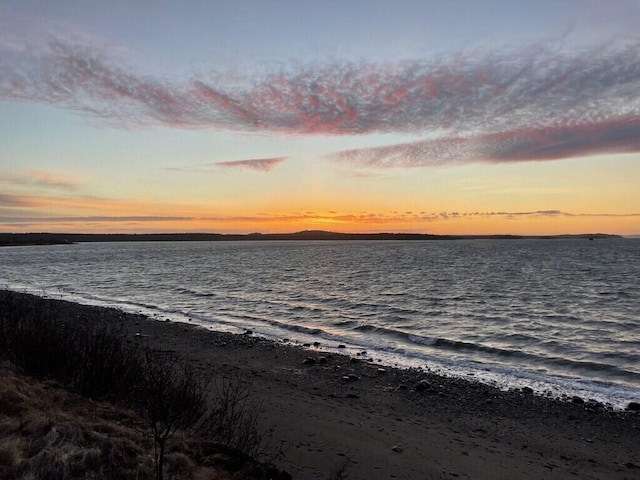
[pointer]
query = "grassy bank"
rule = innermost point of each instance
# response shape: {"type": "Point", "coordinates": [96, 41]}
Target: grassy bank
{"type": "Point", "coordinates": [81, 398]}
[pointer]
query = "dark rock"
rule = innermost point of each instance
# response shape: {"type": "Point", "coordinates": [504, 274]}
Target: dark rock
{"type": "Point", "coordinates": [593, 404]}
{"type": "Point", "coordinates": [633, 407]}
{"type": "Point", "coordinates": [382, 371]}
{"type": "Point", "coordinates": [527, 390]}
{"type": "Point", "coordinates": [350, 378]}
{"type": "Point", "coordinates": [342, 346]}
{"type": "Point", "coordinates": [306, 345]}
{"type": "Point", "coordinates": [323, 360]}
{"type": "Point", "coordinates": [354, 360]}
{"type": "Point", "coordinates": [577, 400]}
{"type": "Point", "coordinates": [402, 386]}
{"type": "Point", "coordinates": [397, 449]}
{"type": "Point", "coordinates": [316, 344]}
{"type": "Point", "coordinates": [421, 386]}
{"type": "Point", "coordinates": [309, 361]}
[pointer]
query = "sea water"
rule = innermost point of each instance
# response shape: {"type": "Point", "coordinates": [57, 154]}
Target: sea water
{"type": "Point", "coordinates": [560, 316]}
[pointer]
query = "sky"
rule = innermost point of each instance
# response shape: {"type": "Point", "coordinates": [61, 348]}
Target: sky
{"type": "Point", "coordinates": [457, 117]}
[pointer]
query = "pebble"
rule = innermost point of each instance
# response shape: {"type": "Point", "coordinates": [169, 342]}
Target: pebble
{"type": "Point", "coordinates": [309, 361]}
{"type": "Point", "coordinates": [421, 386]}
{"type": "Point", "coordinates": [633, 407]}
{"type": "Point", "coordinates": [350, 378]}
{"type": "Point", "coordinates": [397, 449]}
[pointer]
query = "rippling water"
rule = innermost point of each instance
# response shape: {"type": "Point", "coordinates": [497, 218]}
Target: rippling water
{"type": "Point", "coordinates": [562, 316]}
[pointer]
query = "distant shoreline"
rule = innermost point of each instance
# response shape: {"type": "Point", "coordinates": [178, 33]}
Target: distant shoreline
{"type": "Point", "coordinates": [25, 239]}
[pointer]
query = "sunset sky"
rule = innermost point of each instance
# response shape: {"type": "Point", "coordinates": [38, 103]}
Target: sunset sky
{"type": "Point", "coordinates": [462, 117]}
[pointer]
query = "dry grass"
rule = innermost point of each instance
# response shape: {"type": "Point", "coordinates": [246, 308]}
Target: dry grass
{"type": "Point", "coordinates": [49, 433]}
{"type": "Point", "coordinates": [45, 432]}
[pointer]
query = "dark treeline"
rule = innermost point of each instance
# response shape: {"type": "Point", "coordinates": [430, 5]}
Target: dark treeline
{"type": "Point", "coordinates": [15, 239]}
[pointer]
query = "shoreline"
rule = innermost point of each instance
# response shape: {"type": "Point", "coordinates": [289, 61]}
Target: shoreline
{"type": "Point", "coordinates": [558, 388]}
{"type": "Point", "coordinates": [329, 408]}
{"type": "Point", "coordinates": [48, 238]}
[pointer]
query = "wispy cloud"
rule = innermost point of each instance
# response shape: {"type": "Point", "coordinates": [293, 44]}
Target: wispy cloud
{"type": "Point", "coordinates": [10, 200]}
{"type": "Point", "coordinates": [621, 135]}
{"type": "Point", "coordinates": [424, 216]}
{"type": "Point", "coordinates": [259, 164]}
{"type": "Point", "coordinates": [85, 206]}
{"type": "Point", "coordinates": [477, 96]}
{"type": "Point", "coordinates": [94, 218]}
{"type": "Point", "coordinates": [379, 218]}
{"type": "Point", "coordinates": [255, 164]}
{"type": "Point", "coordinates": [38, 178]}
{"type": "Point", "coordinates": [500, 90]}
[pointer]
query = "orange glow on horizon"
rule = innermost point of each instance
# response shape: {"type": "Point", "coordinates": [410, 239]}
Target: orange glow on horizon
{"type": "Point", "coordinates": [460, 224]}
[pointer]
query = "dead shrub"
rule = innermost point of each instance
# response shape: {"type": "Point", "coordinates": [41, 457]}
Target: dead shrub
{"type": "Point", "coordinates": [233, 418]}
{"type": "Point", "coordinates": [171, 397]}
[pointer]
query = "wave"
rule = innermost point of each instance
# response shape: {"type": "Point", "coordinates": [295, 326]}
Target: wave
{"type": "Point", "coordinates": [533, 310]}
{"type": "Point", "coordinates": [515, 355]}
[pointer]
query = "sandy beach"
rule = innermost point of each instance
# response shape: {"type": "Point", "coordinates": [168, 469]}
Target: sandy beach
{"type": "Point", "coordinates": [327, 410]}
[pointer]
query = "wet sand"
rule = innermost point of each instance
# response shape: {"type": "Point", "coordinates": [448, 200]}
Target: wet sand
{"type": "Point", "coordinates": [328, 409]}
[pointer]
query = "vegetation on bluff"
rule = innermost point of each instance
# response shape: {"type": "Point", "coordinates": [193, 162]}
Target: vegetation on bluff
{"type": "Point", "coordinates": [83, 399]}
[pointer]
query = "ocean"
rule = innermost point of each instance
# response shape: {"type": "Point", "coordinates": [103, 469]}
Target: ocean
{"type": "Point", "coordinates": [561, 316]}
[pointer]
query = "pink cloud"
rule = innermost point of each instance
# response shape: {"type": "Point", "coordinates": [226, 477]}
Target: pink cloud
{"type": "Point", "coordinates": [258, 164]}
{"type": "Point", "coordinates": [507, 105]}
{"type": "Point", "coordinates": [621, 135]}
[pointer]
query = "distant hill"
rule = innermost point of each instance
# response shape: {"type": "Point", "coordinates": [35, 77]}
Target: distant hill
{"type": "Point", "coordinates": [16, 239]}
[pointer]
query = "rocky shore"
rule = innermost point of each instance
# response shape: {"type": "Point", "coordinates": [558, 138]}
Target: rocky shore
{"type": "Point", "coordinates": [331, 411]}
